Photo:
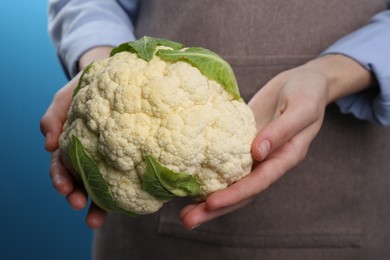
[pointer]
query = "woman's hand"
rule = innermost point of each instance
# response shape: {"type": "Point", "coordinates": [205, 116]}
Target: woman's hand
{"type": "Point", "coordinates": [289, 112]}
{"type": "Point", "coordinates": [51, 127]}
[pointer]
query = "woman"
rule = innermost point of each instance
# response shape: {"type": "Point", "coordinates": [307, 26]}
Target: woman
{"type": "Point", "coordinates": [289, 68]}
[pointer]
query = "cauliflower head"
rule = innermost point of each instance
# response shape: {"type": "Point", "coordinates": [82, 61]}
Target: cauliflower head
{"type": "Point", "coordinates": [154, 121]}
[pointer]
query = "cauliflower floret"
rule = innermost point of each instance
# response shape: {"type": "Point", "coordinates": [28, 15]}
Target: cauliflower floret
{"type": "Point", "coordinates": [127, 108]}
{"type": "Point", "coordinates": [125, 187]}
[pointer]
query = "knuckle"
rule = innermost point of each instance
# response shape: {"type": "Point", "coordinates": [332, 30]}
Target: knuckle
{"type": "Point", "coordinates": [281, 135]}
{"type": "Point", "coordinates": [42, 125]}
{"type": "Point", "coordinates": [57, 96]}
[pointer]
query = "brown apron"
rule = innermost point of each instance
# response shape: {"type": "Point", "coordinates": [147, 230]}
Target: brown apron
{"type": "Point", "coordinates": [335, 205]}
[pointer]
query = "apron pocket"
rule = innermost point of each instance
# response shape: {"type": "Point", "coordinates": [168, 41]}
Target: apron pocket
{"type": "Point", "coordinates": [297, 211]}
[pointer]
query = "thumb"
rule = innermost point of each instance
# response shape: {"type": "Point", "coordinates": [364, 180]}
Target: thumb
{"type": "Point", "coordinates": [55, 116]}
{"type": "Point", "coordinates": [280, 131]}
{"type": "Point", "coordinates": [51, 127]}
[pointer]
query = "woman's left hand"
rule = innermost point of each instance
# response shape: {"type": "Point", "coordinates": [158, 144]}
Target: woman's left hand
{"type": "Point", "coordinates": [289, 112]}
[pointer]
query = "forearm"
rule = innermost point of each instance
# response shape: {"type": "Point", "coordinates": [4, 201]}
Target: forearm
{"type": "Point", "coordinates": [345, 76]}
{"type": "Point", "coordinates": [77, 26]}
{"type": "Point", "coordinates": [94, 54]}
{"type": "Point", "coordinates": [369, 47]}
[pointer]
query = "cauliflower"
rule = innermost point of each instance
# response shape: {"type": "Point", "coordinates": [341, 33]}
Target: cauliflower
{"type": "Point", "coordinates": [155, 121]}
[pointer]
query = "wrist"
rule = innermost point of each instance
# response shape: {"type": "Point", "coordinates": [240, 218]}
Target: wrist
{"type": "Point", "coordinates": [94, 54]}
{"type": "Point", "coordinates": [344, 75]}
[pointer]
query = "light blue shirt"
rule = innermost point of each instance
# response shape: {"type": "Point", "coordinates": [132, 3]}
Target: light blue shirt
{"type": "Point", "coordinates": [77, 26]}
{"type": "Point", "coordinates": [370, 46]}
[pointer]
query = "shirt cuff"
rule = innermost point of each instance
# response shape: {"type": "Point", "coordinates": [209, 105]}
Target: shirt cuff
{"type": "Point", "coordinates": [369, 46]}
{"type": "Point", "coordinates": [88, 37]}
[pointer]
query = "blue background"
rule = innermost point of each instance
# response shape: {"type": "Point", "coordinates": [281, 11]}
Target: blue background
{"type": "Point", "coordinates": [35, 221]}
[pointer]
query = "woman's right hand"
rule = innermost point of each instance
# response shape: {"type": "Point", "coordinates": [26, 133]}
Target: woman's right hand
{"type": "Point", "coordinates": [51, 128]}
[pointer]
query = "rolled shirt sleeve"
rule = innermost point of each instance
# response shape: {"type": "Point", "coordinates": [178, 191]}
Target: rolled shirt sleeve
{"type": "Point", "coordinates": [77, 26]}
{"type": "Point", "coordinates": [370, 46]}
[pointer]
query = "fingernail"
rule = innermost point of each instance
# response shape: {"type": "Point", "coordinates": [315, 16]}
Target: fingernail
{"type": "Point", "coordinates": [195, 226]}
{"type": "Point", "coordinates": [264, 148]}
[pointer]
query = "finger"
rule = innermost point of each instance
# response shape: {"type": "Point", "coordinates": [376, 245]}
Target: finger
{"type": "Point", "coordinates": [51, 127]}
{"type": "Point", "coordinates": [257, 181]}
{"type": "Point", "coordinates": [77, 199]}
{"type": "Point", "coordinates": [266, 172]}
{"type": "Point", "coordinates": [95, 216]}
{"type": "Point", "coordinates": [60, 177]}
{"type": "Point", "coordinates": [55, 116]}
{"type": "Point", "coordinates": [186, 209]}
{"type": "Point", "coordinates": [199, 213]}
{"type": "Point", "coordinates": [292, 120]}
